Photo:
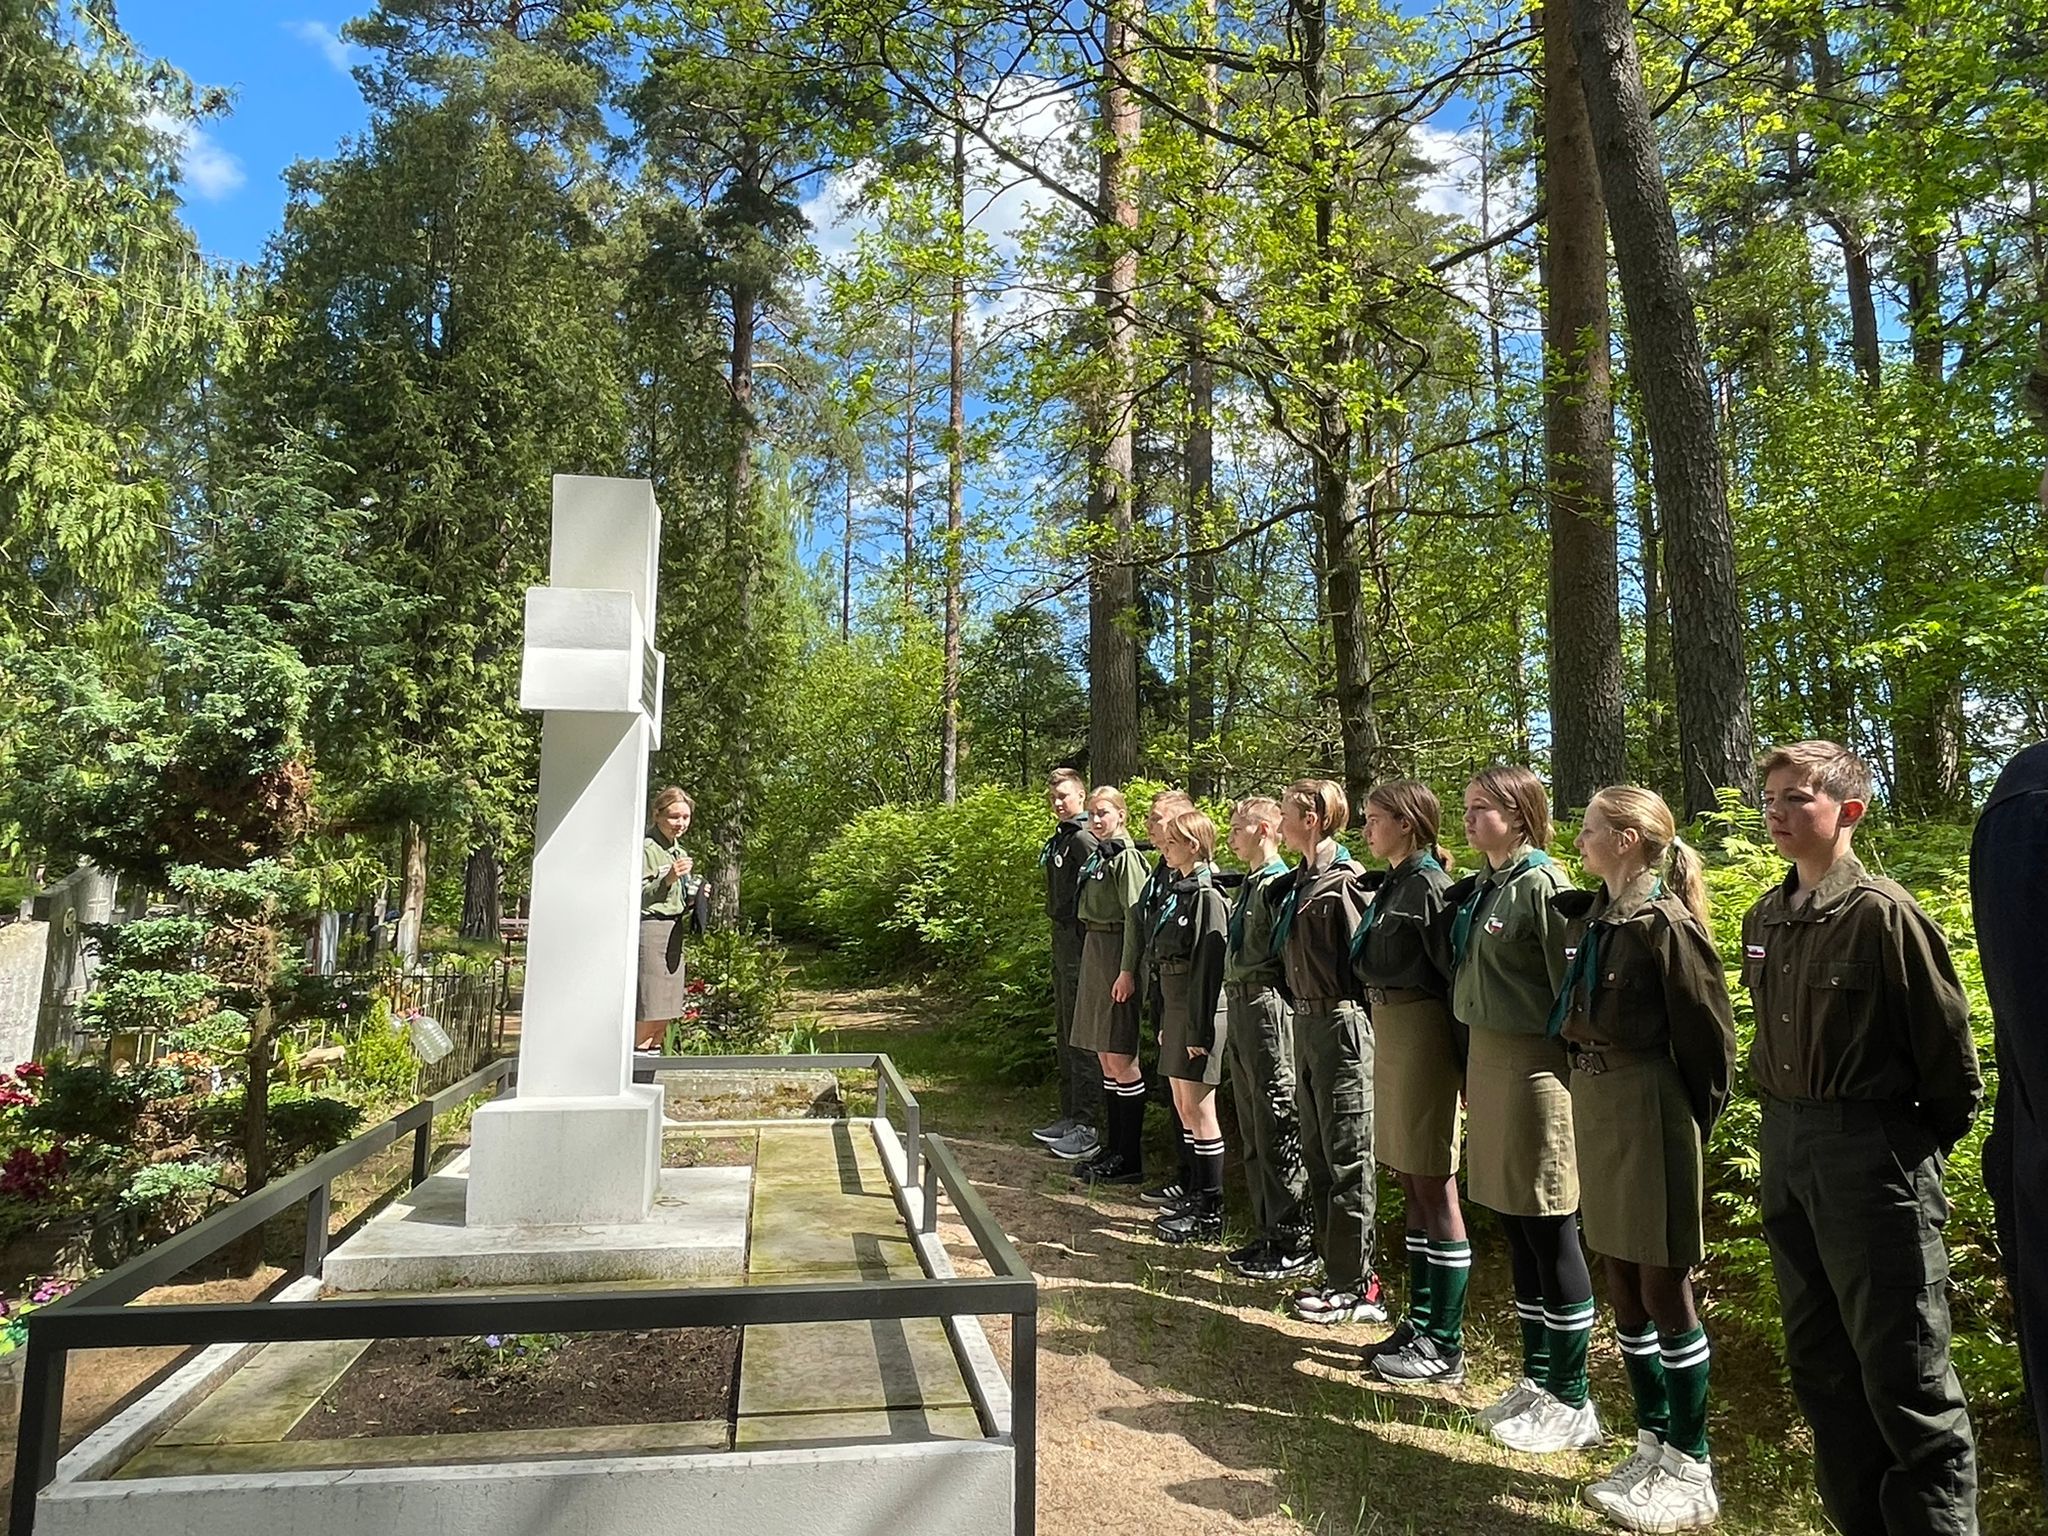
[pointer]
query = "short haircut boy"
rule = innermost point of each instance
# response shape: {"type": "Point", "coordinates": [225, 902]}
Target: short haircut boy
{"type": "Point", "coordinates": [1826, 766]}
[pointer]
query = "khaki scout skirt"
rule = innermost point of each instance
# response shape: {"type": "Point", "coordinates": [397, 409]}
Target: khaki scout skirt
{"type": "Point", "coordinates": [1417, 1080]}
{"type": "Point", "coordinates": [1519, 1156]}
{"type": "Point", "coordinates": [1099, 1024]}
{"type": "Point", "coordinates": [661, 993]}
{"type": "Point", "coordinates": [1639, 1142]}
{"type": "Point", "coordinates": [1175, 988]}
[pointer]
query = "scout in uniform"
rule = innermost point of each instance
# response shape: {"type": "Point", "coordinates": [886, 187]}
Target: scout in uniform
{"type": "Point", "coordinates": [670, 895]}
{"type": "Point", "coordinates": [1868, 1075]}
{"type": "Point", "coordinates": [1260, 1046]}
{"type": "Point", "coordinates": [1137, 981]}
{"type": "Point", "coordinates": [1110, 881]}
{"type": "Point", "coordinates": [1506, 962]}
{"type": "Point", "coordinates": [1418, 1074]}
{"type": "Point", "coordinates": [1187, 946]}
{"type": "Point", "coordinates": [1061, 859]}
{"type": "Point", "coordinates": [1644, 1015]}
{"type": "Point", "coordinates": [1318, 909]}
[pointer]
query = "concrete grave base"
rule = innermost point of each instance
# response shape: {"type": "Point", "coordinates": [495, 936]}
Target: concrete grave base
{"type": "Point", "coordinates": [697, 1229]}
{"type": "Point", "coordinates": [566, 1161]}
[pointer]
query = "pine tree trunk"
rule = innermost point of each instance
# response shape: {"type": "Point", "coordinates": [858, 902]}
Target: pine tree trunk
{"type": "Point", "coordinates": [956, 454]}
{"type": "Point", "coordinates": [483, 884]}
{"type": "Point", "coordinates": [1588, 710]}
{"type": "Point", "coordinates": [412, 891]}
{"type": "Point", "coordinates": [1114, 749]}
{"type": "Point", "coordinates": [1660, 746]}
{"type": "Point", "coordinates": [1716, 744]}
{"type": "Point", "coordinates": [1201, 484]}
{"type": "Point", "coordinates": [730, 824]}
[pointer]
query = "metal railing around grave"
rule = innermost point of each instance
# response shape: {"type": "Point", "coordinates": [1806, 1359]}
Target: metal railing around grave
{"type": "Point", "coordinates": [97, 1314]}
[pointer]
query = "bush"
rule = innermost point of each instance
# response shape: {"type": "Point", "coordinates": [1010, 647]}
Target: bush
{"type": "Point", "coordinates": [739, 981]}
{"type": "Point", "coordinates": [378, 1065]}
{"type": "Point", "coordinates": [85, 1098]}
{"type": "Point", "coordinates": [302, 1125]}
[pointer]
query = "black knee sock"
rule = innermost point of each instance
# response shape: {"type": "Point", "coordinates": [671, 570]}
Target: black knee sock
{"type": "Point", "coordinates": [1129, 1139]}
{"type": "Point", "coordinates": [1208, 1171]}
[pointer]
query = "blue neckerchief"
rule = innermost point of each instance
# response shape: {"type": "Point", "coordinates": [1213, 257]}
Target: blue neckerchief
{"type": "Point", "coordinates": [1372, 913]}
{"type": "Point", "coordinates": [1103, 852]}
{"type": "Point", "coordinates": [1461, 926]}
{"type": "Point", "coordinates": [1203, 881]}
{"type": "Point", "coordinates": [1244, 895]}
{"type": "Point", "coordinates": [1072, 824]}
{"type": "Point", "coordinates": [1284, 923]}
{"type": "Point", "coordinates": [1584, 971]}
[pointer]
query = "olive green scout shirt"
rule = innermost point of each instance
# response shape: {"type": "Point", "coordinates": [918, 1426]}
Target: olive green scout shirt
{"type": "Point", "coordinates": [656, 899]}
{"type": "Point", "coordinates": [1514, 956]}
{"type": "Point", "coordinates": [1394, 949]}
{"type": "Point", "coordinates": [1857, 999]}
{"type": "Point", "coordinates": [1251, 958]}
{"type": "Point", "coordinates": [1642, 974]}
{"type": "Point", "coordinates": [1110, 882]}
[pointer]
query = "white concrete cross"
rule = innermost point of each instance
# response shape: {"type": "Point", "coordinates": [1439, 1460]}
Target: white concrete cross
{"type": "Point", "coordinates": [582, 1143]}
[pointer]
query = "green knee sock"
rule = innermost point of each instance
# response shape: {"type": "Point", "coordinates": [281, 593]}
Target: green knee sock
{"type": "Point", "coordinates": [1646, 1379]}
{"type": "Point", "coordinates": [1535, 1340]}
{"type": "Point", "coordinates": [1418, 1280]}
{"type": "Point", "coordinates": [1570, 1328]}
{"type": "Point", "coordinates": [1684, 1358]}
{"type": "Point", "coordinates": [1451, 1272]}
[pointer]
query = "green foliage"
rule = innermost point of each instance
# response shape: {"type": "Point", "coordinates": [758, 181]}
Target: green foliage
{"type": "Point", "coordinates": [378, 1064]}
{"type": "Point", "coordinates": [89, 1099]}
{"type": "Point", "coordinates": [739, 981]}
{"type": "Point", "coordinates": [301, 1125]}
{"type": "Point", "coordinates": [502, 1356]}
{"type": "Point", "coordinates": [152, 999]}
{"type": "Point", "coordinates": [188, 1185]}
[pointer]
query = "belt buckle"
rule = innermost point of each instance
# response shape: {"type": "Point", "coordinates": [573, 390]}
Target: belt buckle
{"type": "Point", "coordinates": [1592, 1063]}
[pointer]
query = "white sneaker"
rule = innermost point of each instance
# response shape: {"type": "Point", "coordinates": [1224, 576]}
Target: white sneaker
{"type": "Point", "coordinates": [1511, 1402]}
{"type": "Point", "coordinates": [1677, 1494]}
{"type": "Point", "coordinates": [1612, 1488]}
{"type": "Point", "coordinates": [1550, 1425]}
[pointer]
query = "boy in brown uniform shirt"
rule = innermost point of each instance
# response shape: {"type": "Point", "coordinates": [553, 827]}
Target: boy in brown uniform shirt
{"type": "Point", "coordinates": [1868, 1075]}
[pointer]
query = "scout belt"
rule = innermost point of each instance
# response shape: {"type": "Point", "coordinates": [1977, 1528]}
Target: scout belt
{"type": "Point", "coordinates": [1608, 1058]}
{"type": "Point", "coordinates": [1397, 995]}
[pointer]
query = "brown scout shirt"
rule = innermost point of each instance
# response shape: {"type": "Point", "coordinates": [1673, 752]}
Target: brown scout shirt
{"type": "Point", "coordinates": [1857, 999]}
{"type": "Point", "coordinates": [1328, 903]}
{"type": "Point", "coordinates": [1658, 985]}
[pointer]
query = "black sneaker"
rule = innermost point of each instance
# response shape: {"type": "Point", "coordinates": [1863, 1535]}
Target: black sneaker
{"type": "Point", "coordinates": [1282, 1263]}
{"type": "Point", "coordinates": [1192, 1225]}
{"type": "Point", "coordinates": [1422, 1361]}
{"type": "Point", "coordinates": [1251, 1253]}
{"type": "Point", "coordinates": [1110, 1170]}
{"type": "Point", "coordinates": [1402, 1336]}
{"type": "Point", "coordinates": [1171, 1196]}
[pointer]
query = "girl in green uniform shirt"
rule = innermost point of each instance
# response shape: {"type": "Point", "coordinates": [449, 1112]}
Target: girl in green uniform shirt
{"type": "Point", "coordinates": [1644, 1013]}
{"type": "Point", "coordinates": [1187, 946]}
{"type": "Point", "coordinates": [1506, 961]}
{"type": "Point", "coordinates": [1110, 882]}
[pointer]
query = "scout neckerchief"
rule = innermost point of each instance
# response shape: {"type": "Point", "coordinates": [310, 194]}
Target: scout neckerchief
{"type": "Point", "coordinates": [1113, 848]}
{"type": "Point", "coordinates": [1203, 880]}
{"type": "Point", "coordinates": [1244, 896]}
{"type": "Point", "coordinates": [1584, 971]}
{"type": "Point", "coordinates": [1372, 912]}
{"type": "Point", "coordinates": [1284, 923]}
{"type": "Point", "coordinates": [1066, 829]}
{"type": "Point", "coordinates": [1461, 926]}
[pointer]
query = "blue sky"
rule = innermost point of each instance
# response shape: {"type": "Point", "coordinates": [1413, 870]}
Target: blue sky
{"type": "Point", "coordinates": [293, 100]}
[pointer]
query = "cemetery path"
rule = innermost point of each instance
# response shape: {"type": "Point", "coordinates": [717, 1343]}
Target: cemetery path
{"type": "Point", "coordinates": [1177, 1398]}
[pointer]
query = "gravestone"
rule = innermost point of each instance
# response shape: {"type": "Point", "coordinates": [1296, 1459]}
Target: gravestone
{"type": "Point", "coordinates": [83, 897]}
{"type": "Point", "coordinates": [24, 955]}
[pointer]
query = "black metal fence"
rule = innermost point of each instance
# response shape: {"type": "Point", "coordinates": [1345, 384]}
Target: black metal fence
{"type": "Point", "coordinates": [97, 1314]}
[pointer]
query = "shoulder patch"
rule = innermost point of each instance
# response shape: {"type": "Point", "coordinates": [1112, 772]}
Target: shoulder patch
{"type": "Point", "coordinates": [1753, 951]}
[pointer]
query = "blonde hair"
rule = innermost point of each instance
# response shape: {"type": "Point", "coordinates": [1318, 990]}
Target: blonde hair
{"type": "Point", "coordinates": [1113, 795]}
{"type": "Point", "coordinates": [1192, 826]}
{"type": "Point", "coordinates": [1414, 802]}
{"type": "Point", "coordinates": [1520, 795]}
{"type": "Point", "coordinates": [1323, 799]}
{"type": "Point", "coordinates": [1168, 802]}
{"type": "Point", "coordinates": [1628, 807]}
{"type": "Point", "coordinates": [1261, 811]}
{"type": "Point", "coordinates": [1827, 766]}
{"type": "Point", "coordinates": [668, 795]}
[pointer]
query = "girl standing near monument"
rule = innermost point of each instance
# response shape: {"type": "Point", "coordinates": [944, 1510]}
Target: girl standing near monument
{"type": "Point", "coordinates": [1110, 882]}
{"type": "Point", "coordinates": [669, 894]}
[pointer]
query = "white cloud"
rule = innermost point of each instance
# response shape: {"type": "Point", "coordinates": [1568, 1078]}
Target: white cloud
{"type": "Point", "coordinates": [343, 56]}
{"type": "Point", "coordinates": [203, 165]}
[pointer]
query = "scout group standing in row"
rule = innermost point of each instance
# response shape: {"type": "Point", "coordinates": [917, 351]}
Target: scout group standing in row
{"type": "Point", "coordinates": [1580, 1033]}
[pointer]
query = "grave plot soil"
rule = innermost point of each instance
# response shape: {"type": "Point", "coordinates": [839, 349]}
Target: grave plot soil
{"type": "Point", "coordinates": [407, 1387]}
{"type": "Point", "coordinates": [690, 1149]}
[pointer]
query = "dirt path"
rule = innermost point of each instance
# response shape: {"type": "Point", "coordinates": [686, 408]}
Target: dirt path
{"type": "Point", "coordinates": [1178, 1398]}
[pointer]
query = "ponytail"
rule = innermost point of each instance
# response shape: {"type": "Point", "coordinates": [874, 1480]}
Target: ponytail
{"type": "Point", "coordinates": [1685, 878]}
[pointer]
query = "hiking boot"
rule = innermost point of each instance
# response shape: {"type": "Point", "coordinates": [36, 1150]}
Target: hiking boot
{"type": "Point", "coordinates": [1110, 1169]}
{"type": "Point", "coordinates": [1066, 1125]}
{"type": "Point", "coordinates": [1509, 1403]}
{"type": "Point", "coordinates": [1550, 1425]}
{"type": "Point", "coordinates": [1078, 1143]}
{"type": "Point", "coordinates": [1171, 1196]}
{"type": "Point", "coordinates": [1614, 1487]}
{"type": "Point", "coordinates": [1677, 1494]}
{"type": "Point", "coordinates": [1423, 1362]}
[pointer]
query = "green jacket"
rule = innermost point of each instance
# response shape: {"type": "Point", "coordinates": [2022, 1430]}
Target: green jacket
{"type": "Point", "coordinates": [1642, 975]}
{"type": "Point", "coordinates": [660, 896]}
{"type": "Point", "coordinates": [1507, 968]}
{"type": "Point", "coordinates": [1251, 957]}
{"type": "Point", "coordinates": [1394, 946]}
{"type": "Point", "coordinates": [1110, 881]}
{"type": "Point", "coordinates": [1193, 930]}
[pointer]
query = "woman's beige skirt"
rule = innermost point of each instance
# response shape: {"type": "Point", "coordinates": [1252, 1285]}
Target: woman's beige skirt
{"type": "Point", "coordinates": [1417, 1080]}
{"type": "Point", "coordinates": [1175, 1016]}
{"type": "Point", "coordinates": [1641, 1145]}
{"type": "Point", "coordinates": [1099, 1024]}
{"type": "Point", "coordinates": [1519, 1157]}
{"type": "Point", "coordinates": [662, 994]}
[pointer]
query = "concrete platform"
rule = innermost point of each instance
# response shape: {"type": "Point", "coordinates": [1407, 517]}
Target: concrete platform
{"type": "Point", "coordinates": [698, 1228]}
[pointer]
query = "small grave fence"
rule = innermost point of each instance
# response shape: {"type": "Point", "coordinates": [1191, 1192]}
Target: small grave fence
{"type": "Point", "coordinates": [98, 1316]}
